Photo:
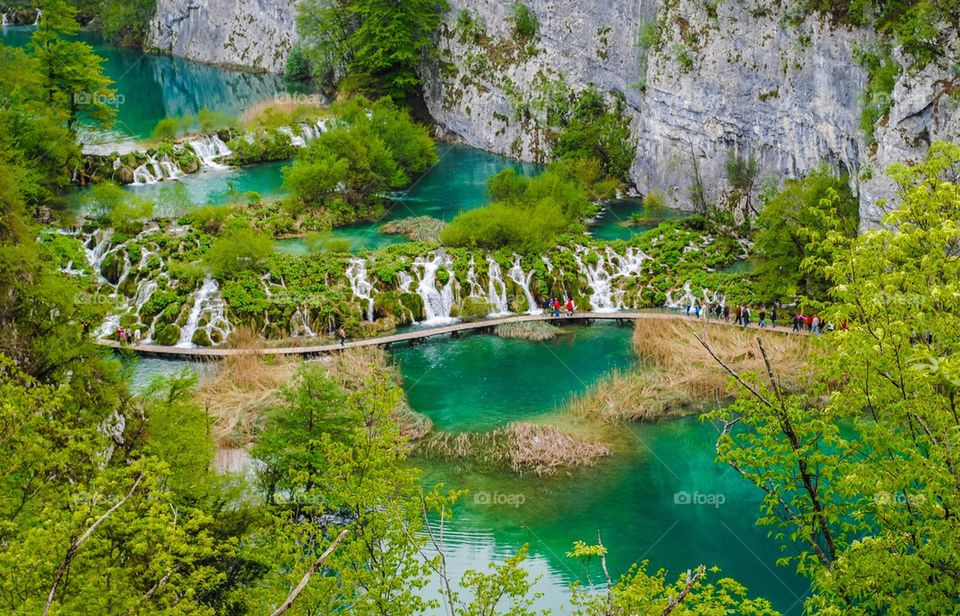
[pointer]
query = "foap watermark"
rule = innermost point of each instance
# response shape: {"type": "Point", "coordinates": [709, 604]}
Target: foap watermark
{"type": "Point", "coordinates": [699, 498]}
{"type": "Point", "coordinates": [496, 498]}
{"type": "Point", "coordinates": [296, 98]}
{"type": "Point", "coordinates": [96, 299]}
{"type": "Point", "coordinates": [105, 99]}
{"type": "Point", "coordinates": [884, 499]}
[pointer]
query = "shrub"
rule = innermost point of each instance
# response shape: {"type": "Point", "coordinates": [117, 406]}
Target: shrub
{"type": "Point", "coordinates": [298, 67]}
{"type": "Point", "coordinates": [525, 23]}
{"type": "Point", "coordinates": [649, 35]}
{"type": "Point", "coordinates": [654, 202]}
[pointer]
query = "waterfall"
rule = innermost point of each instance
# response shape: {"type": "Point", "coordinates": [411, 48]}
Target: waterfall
{"type": "Point", "coordinates": [687, 301]}
{"type": "Point", "coordinates": [295, 140]}
{"type": "Point", "coordinates": [522, 279]}
{"type": "Point", "coordinates": [116, 163]}
{"type": "Point", "coordinates": [4, 20]}
{"type": "Point", "coordinates": [361, 287]}
{"type": "Point", "coordinates": [153, 171]}
{"type": "Point", "coordinates": [497, 289]}
{"type": "Point", "coordinates": [96, 248]}
{"type": "Point", "coordinates": [609, 266]}
{"type": "Point", "coordinates": [206, 301]}
{"type": "Point", "coordinates": [300, 323]}
{"type": "Point", "coordinates": [405, 281]}
{"type": "Point", "coordinates": [475, 289]}
{"type": "Point", "coordinates": [110, 325]}
{"type": "Point", "coordinates": [37, 20]}
{"type": "Point", "coordinates": [437, 303]}
{"type": "Point", "coordinates": [209, 148]}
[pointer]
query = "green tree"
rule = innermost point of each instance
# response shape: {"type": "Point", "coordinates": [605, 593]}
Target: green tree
{"type": "Point", "coordinates": [798, 231]}
{"type": "Point", "coordinates": [378, 44]}
{"type": "Point", "coordinates": [71, 73]}
{"type": "Point", "coordinates": [239, 248]}
{"type": "Point", "coordinates": [858, 472]}
{"type": "Point", "coordinates": [596, 129]}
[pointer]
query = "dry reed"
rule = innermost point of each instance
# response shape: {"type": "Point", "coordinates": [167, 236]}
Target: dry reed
{"type": "Point", "coordinates": [530, 330]}
{"type": "Point", "coordinates": [522, 447]}
{"type": "Point", "coordinates": [678, 376]}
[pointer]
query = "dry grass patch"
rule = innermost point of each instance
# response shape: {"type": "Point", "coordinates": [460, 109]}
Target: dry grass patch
{"type": "Point", "coordinates": [522, 447]}
{"type": "Point", "coordinates": [530, 330]}
{"type": "Point", "coordinates": [678, 376]}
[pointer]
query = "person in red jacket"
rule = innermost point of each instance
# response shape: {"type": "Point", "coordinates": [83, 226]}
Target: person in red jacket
{"type": "Point", "coordinates": [570, 307]}
{"type": "Point", "coordinates": [556, 307]}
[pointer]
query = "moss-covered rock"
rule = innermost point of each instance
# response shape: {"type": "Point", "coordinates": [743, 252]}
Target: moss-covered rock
{"type": "Point", "coordinates": [474, 309]}
{"type": "Point", "coordinates": [201, 338]}
{"type": "Point", "coordinates": [168, 335]}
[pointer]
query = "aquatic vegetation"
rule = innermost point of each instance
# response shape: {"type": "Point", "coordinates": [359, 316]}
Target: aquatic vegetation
{"type": "Point", "coordinates": [535, 330]}
{"type": "Point", "coordinates": [678, 376]}
{"type": "Point", "coordinates": [416, 229]}
{"type": "Point", "coordinates": [522, 447]}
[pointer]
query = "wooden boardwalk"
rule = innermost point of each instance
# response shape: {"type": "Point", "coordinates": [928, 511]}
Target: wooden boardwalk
{"type": "Point", "coordinates": [412, 336]}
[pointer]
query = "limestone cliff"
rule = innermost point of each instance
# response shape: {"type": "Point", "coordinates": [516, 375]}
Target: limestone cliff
{"type": "Point", "coordinates": [746, 76]}
{"type": "Point", "coordinates": [254, 34]}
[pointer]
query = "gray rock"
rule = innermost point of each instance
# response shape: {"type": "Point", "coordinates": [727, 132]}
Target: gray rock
{"type": "Point", "coordinates": [254, 34]}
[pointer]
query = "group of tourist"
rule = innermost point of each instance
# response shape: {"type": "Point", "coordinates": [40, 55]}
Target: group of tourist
{"type": "Point", "coordinates": [125, 336]}
{"type": "Point", "coordinates": [552, 306]}
{"type": "Point", "coordinates": [743, 315]}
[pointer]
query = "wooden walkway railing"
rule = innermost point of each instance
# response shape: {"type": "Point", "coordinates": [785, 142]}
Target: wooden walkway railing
{"type": "Point", "coordinates": [173, 352]}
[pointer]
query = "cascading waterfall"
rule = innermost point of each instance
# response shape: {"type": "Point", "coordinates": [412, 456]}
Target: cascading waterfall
{"type": "Point", "coordinates": [600, 275]}
{"type": "Point", "coordinates": [523, 279]}
{"type": "Point", "coordinates": [300, 323]}
{"type": "Point", "coordinates": [496, 289]}
{"type": "Point", "coordinates": [686, 301]}
{"type": "Point", "coordinates": [4, 20]}
{"type": "Point", "coordinates": [153, 171]}
{"type": "Point", "coordinates": [295, 140]}
{"type": "Point", "coordinates": [361, 287]}
{"type": "Point", "coordinates": [311, 131]}
{"type": "Point", "coordinates": [36, 21]}
{"type": "Point", "coordinates": [206, 303]}
{"type": "Point", "coordinates": [209, 149]}
{"type": "Point", "coordinates": [437, 303]}
{"type": "Point", "coordinates": [405, 281]}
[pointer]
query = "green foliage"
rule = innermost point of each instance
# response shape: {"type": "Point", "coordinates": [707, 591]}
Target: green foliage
{"type": "Point", "coordinates": [373, 149]}
{"type": "Point", "coordinates": [527, 213]}
{"type": "Point", "coordinates": [298, 67]}
{"type": "Point", "coordinates": [654, 203]}
{"type": "Point", "coordinates": [123, 22]}
{"type": "Point", "coordinates": [71, 74]}
{"type": "Point", "coordinates": [376, 45]}
{"type": "Point", "coordinates": [857, 470]}
{"type": "Point", "coordinates": [470, 28]}
{"type": "Point", "coordinates": [209, 121]}
{"type": "Point", "coordinates": [684, 57]}
{"type": "Point", "coordinates": [525, 22]}
{"type": "Point", "coordinates": [596, 129]}
{"type": "Point", "coordinates": [239, 248]}
{"type": "Point", "coordinates": [797, 235]}
{"type": "Point", "coordinates": [168, 129]}
{"type": "Point", "coordinates": [649, 35]}
{"type": "Point", "coordinates": [877, 99]}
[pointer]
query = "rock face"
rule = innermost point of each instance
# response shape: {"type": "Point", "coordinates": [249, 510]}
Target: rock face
{"type": "Point", "coordinates": [740, 76]}
{"type": "Point", "coordinates": [254, 34]}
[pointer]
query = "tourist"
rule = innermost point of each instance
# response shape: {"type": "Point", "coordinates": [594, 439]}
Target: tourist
{"type": "Point", "coordinates": [726, 312]}
{"type": "Point", "coordinates": [122, 335]}
{"type": "Point", "coordinates": [797, 321]}
{"type": "Point", "coordinates": [809, 322]}
{"type": "Point", "coordinates": [763, 318]}
{"type": "Point", "coordinates": [546, 305]}
{"type": "Point", "coordinates": [739, 316]}
{"type": "Point", "coordinates": [342, 334]}
{"type": "Point", "coordinates": [136, 335]}
{"type": "Point", "coordinates": [696, 311]}
{"type": "Point", "coordinates": [746, 316]}
{"type": "Point", "coordinates": [556, 308]}
{"type": "Point", "coordinates": [570, 307]}
{"type": "Point", "coordinates": [815, 325]}
{"type": "Point", "coordinates": [773, 316]}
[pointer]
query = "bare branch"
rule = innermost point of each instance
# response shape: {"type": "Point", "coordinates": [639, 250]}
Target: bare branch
{"type": "Point", "coordinates": [691, 582]}
{"type": "Point", "coordinates": [306, 576]}
{"type": "Point", "coordinates": [79, 541]}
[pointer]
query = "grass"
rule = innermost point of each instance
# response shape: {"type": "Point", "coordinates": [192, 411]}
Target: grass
{"type": "Point", "coordinates": [415, 229]}
{"type": "Point", "coordinates": [677, 376]}
{"type": "Point", "coordinates": [532, 330]}
{"type": "Point", "coordinates": [244, 386]}
{"type": "Point", "coordinates": [522, 447]}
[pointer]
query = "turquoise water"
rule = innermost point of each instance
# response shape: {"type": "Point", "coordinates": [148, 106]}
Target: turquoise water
{"type": "Point", "coordinates": [500, 380]}
{"type": "Point", "coordinates": [610, 223]}
{"type": "Point", "coordinates": [458, 182]}
{"type": "Point", "coordinates": [206, 187]}
{"type": "Point", "coordinates": [151, 87]}
{"type": "Point", "coordinates": [634, 499]}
